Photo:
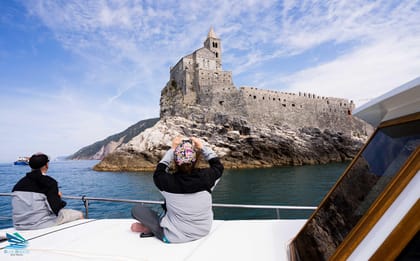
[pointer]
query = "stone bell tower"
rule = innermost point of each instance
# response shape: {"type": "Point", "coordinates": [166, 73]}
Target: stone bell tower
{"type": "Point", "coordinates": [214, 44]}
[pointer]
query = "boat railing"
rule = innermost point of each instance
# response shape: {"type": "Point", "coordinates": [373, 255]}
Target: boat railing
{"type": "Point", "coordinates": [86, 200]}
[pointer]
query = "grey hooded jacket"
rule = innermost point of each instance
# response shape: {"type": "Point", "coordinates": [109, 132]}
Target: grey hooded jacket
{"type": "Point", "coordinates": [188, 198]}
{"type": "Point", "coordinates": [31, 211]}
{"type": "Point", "coordinates": [35, 201]}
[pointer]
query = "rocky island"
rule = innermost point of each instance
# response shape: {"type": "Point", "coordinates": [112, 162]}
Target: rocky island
{"type": "Point", "coordinates": [247, 127]}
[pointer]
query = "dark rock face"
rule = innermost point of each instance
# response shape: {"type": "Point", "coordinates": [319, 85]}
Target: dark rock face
{"type": "Point", "coordinates": [238, 144]}
{"type": "Point", "coordinates": [126, 161]}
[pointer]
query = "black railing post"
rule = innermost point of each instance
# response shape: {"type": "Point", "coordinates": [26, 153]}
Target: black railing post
{"type": "Point", "coordinates": [86, 204]}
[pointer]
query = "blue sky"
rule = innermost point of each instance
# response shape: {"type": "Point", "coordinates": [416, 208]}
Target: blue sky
{"type": "Point", "coordinates": [75, 72]}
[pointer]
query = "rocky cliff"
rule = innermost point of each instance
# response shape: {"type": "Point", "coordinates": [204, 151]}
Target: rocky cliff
{"type": "Point", "coordinates": [247, 127]}
{"type": "Point", "coordinates": [239, 144]}
{"type": "Point", "coordinates": [100, 149]}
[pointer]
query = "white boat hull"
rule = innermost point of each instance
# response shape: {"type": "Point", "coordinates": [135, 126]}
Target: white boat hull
{"type": "Point", "coordinates": [111, 239]}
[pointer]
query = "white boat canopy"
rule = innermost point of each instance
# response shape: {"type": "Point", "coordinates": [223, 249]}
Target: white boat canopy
{"type": "Point", "coordinates": [400, 101]}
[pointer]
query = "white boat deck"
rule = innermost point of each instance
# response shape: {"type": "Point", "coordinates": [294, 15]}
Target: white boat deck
{"type": "Point", "coordinates": [111, 239]}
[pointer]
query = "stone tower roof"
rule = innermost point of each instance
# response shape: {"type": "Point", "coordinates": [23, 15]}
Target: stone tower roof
{"type": "Point", "coordinates": [211, 33]}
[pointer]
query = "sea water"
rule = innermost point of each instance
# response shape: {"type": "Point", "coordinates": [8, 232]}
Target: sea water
{"type": "Point", "coordinates": [294, 186]}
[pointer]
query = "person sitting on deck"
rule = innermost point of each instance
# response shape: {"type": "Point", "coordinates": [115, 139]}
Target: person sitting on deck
{"type": "Point", "coordinates": [36, 201]}
{"type": "Point", "coordinates": [188, 202]}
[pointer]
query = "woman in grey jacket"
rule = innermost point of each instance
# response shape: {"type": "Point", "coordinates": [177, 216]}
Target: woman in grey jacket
{"type": "Point", "coordinates": [187, 194]}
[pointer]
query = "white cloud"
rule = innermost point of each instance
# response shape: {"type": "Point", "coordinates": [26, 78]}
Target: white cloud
{"type": "Point", "coordinates": [55, 123]}
{"type": "Point", "coordinates": [363, 74]}
{"type": "Point", "coordinates": [303, 26]}
{"type": "Point", "coordinates": [382, 52]}
{"type": "Point", "coordinates": [124, 49]}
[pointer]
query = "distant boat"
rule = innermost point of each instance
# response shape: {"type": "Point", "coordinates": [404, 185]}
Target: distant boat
{"type": "Point", "coordinates": [22, 161]}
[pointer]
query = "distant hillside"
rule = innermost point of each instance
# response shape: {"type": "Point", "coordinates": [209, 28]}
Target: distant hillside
{"type": "Point", "coordinates": [100, 149]}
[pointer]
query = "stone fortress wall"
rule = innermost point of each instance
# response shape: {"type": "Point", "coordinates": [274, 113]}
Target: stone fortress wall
{"type": "Point", "coordinates": [198, 85]}
{"type": "Point", "coordinates": [302, 109]}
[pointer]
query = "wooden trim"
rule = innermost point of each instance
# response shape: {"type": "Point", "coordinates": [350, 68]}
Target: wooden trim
{"type": "Point", "coordinates": [400, 236]}
{"type": "Point", "coordinates": [408, 118]}
{"type": "Point", "coordinates": [379, 207]}
{"type": "Point", "coordinates": [291, 253]}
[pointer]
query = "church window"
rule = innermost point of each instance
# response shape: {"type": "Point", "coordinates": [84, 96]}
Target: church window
{"type": "Point", "coordinates": [217, 55]}
{"type": "Point", "coordinates": [293, 105]}
{"type": "Point", "coordinates": [255, 97]}
{"type": "Point", "coordinates": [284, 105]}
{"type": "Point", "coordinates": [221, 102]}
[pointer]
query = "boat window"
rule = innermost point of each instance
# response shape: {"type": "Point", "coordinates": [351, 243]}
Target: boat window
{"type": "Point", "coordinates": [360, 186]}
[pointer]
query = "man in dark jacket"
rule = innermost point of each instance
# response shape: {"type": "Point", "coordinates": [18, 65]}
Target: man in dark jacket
{"type": "Point", "coordinates": [36, 200]}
